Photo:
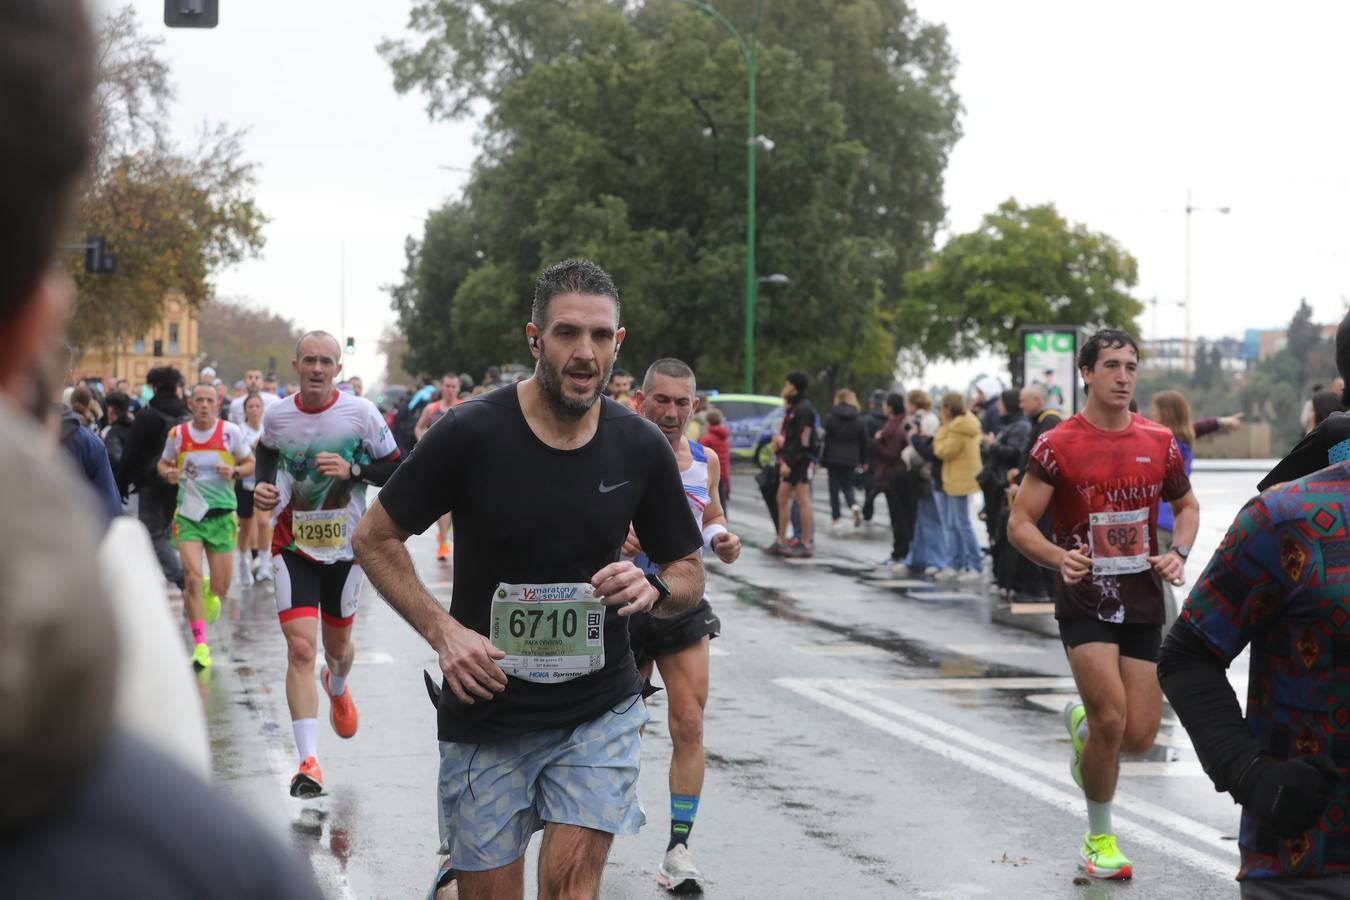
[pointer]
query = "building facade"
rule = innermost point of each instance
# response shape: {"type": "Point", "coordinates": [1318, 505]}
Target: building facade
{"type": "Point", "coordinates": [172, 341]}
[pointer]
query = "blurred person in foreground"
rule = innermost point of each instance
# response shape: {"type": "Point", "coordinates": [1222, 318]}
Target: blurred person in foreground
{"type": "Point", "coordinates": [1329, 441]}
{"type": "Point", "coordinates": [1274, 585]}
{"type": "Point", "coordinates": [90, 808]}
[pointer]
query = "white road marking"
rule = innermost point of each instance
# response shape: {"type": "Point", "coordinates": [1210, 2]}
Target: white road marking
{"type": "Point", "coordinates": [1053, 771]}
{"type": "Point", "coordinates": [989, 759]}
{"type": "Point", "coordinates": [714, 650]}
{"type": "Point", "coordinates": [373, 658]}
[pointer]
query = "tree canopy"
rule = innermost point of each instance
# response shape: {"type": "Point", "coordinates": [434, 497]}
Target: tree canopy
{"type": "Point", "coordinates": [1022, 266]}
{"type": "Point", "coordinates": [173, 216]}
{"type": "Point", "coordinates": [236, 336]}
{"type": "Point", "coordinates": [617, 131]}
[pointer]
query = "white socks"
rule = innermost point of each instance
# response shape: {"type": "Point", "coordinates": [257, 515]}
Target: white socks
{"type": "Point", "coordinates": [336, 683]}
{"type": "Point", "coordinates": [306, 737]}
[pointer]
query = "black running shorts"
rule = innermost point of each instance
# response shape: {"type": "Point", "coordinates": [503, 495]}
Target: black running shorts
{"type": "Point", "coordinates": [304, 587]}
{"type": "Point", "coordinates": [651, 637]}
{"type": "Point", "coordinates": [1135, 641]}
{"type": "Point", "coordinates": [244, 500]}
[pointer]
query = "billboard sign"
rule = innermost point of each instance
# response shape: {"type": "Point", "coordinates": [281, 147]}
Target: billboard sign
{"type": "Point", "coordinates": [1049, 354]}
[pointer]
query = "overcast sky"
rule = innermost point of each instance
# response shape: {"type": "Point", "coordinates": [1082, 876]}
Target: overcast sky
{"type": "Point", "coordinates": [1110, 110]}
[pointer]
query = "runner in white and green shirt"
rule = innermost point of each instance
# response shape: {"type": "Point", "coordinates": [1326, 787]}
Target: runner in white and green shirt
{"type": "Point", "coordinates": [204, 456]}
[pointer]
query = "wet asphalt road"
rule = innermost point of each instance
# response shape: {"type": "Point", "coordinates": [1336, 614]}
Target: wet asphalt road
{"type": "Point", "coordinates": [866, 737]}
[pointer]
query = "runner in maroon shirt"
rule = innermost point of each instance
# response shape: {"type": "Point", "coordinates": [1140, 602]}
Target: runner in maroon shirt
{"type": "Point", "coordinates": [1102, 475]}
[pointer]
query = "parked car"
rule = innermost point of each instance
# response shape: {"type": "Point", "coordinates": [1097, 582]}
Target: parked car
{"type": "Point", "coordinates": [747, 416]}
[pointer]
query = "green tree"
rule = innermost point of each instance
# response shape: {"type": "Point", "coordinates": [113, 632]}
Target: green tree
{"type": "Point", "coordinates": [1022, 266]}
{"type": "Point", "coordinates": [1302, 337]}
{"type": "Point", "coordinates": [617, 131]}
{"type": "Point", "coordinates": [174, 217]}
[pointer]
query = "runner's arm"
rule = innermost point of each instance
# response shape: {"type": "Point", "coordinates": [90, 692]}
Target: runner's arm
{"type": "Point", "coordinates": [684, 577]}
{"type": "Point", "coordinates": [1186, 516]}
{"type": "Point", "coordinates": [716, 537]}
{"type": "Point", "coordinates": [1033, 498]}
{"type": "Point", "coordinates": [467, 657]}
{"type": "Point", "coordinates": [266, 468]}
{"type": "Point", "coordinates": [1193, 679]}
{"type": "Point", "coordinates": [378, 471]}
{"type": "Point", "coordinates": [423, 422]}
{"type": "Point", "coordinates": [245, 468]}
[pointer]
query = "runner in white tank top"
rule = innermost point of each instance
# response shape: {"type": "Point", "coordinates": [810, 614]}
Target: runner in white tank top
{"type": "Point", "coordinates": [678, 646]}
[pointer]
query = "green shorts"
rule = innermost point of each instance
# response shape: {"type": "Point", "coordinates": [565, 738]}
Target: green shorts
{"type": "Point", "coordinates": [219, 534]}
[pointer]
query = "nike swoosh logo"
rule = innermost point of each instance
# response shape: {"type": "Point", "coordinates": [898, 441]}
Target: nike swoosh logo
{"type": "Point", "coordinates": [709, 621]}
{"type": "Point", "coordinates": [606, 488]}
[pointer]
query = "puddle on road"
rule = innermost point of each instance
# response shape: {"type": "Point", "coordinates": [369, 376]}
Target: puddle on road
{"type": "Point", "coordinates": [915, 653]}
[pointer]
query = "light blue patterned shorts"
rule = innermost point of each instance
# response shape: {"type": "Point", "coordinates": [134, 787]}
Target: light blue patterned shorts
{"type": "Point", "coordinates": [494, 796]}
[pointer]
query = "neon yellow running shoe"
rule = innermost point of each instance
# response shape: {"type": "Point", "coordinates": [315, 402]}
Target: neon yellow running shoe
{"type": "Point", "coordinates": [1103, 859]}
{"type": "Point", "coordinates": [211, 604]}
{"type": "Point", "coordinates": [1074, 714]}
{"type": "Point", "coordinates": [201, 656]}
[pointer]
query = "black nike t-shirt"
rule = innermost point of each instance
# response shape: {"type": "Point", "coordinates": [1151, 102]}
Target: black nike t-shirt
{"type": "Point", "coordinates": [527, 513]}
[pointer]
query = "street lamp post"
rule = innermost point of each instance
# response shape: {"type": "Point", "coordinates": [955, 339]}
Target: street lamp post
{"type": "Point", "coordinates": [1187, 352]}
{"type": "Point", "coordinates": [750, 52]}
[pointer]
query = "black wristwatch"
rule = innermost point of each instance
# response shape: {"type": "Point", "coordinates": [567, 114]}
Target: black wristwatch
{"type": "Point", "coordinates": [1182, 552]}
{"type": "Point", "coordinates": [662, 590]}
{"type": "Point", "coordinates": [356, 471]}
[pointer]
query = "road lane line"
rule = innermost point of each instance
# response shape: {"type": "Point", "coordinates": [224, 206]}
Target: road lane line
{"type": "Point", "coordinates": [1057, 772]}
{"type": "Point", "coordinates": [991, 765]}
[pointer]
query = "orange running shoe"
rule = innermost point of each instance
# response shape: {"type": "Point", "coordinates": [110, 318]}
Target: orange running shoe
{"type": "Point", "coordinates": [308, 782]}
{"type": "Point", "coordinates": [443, 552]}
{"type": "Point", "coordinates": [341, 710]}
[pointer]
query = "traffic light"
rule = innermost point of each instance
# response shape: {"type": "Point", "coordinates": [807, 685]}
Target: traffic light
{"type": "Point", "coordinates": [351, 345]}
{"type": "Point", "coordinates": [97, 259]}
{"type": "Point", "coordinates": [191, 13]}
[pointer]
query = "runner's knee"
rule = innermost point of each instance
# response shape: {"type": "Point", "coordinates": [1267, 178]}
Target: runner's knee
{"type": "Point", "coordinates": [1106, 722]}
{"type": "Point", "coordinates": [1139, 735]}
{"type": "Point", "coordinates": [300, 651]}
{"type": "Point", "coordinates": [567, 881]}
{"type": "Point", "coordinates": [686, 722]}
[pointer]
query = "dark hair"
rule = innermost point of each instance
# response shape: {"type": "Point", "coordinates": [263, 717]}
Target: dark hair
{"type": "Point", "coordinates": [1324, 404]}
{"type": "Point", "coordinates": [46, 88]}
{"type": "Point", "coordinates": [164, 379]}
{"type": "Point", "coordinates": [118, 401]}
{"type": "Point", "coordinates": [1012, 400]}
{"type": "Point", "coordinates": [1106, 339]}
{"type": "Point", "coordinates": [799, 381]}
{"type": "Point", "coordinates": [671, 368]}
{"type": "Point", "coordinates": [896, 402]}
{"type": "Point", "coordinates": [571, 276]}
{"type": "Point", "coordinates": [620, 373]}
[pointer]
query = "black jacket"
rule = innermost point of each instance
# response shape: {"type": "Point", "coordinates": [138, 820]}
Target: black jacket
{"type": "Point", "coordinates": [845, 437]}
{"type": "Point", "coordinates": [145, 443]}
{"type": "Point", "coordinates": [1314, 452]}
{"type": "Point", "coordinates": [116, 441]}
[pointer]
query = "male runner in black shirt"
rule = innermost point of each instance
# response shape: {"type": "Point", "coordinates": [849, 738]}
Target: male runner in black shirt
{"type": "Point", "coordinates": [539, 720]}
